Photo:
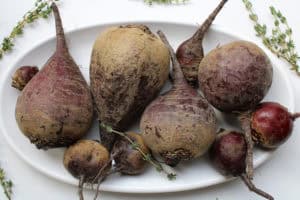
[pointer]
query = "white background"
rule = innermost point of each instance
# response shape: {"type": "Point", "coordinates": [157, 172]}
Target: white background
{"type": "Point", "coordinates": [280, 176]}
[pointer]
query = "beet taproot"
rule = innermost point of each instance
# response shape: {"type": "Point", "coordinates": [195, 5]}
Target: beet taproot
{"type": "Point", "coordinates": [55, 108]}
{"type": "Point", "coordinates": [129, 66]}
{"type": "Point", "coordinates": [180, 124]}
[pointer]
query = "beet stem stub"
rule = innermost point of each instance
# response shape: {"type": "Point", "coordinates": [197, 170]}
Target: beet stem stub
{"type": "Point", "coordinates": [207, 23]}
{"type": "Point", "coordinates": [295, 116]}
{"type": "Point", "coordinates": [177, 76]}
{"type": "Point", "coordinates": [253, 188]}
{"type": "Point", "coordinates": [60, 36]}
{"type": "Point", "coordinates": [246, 126]}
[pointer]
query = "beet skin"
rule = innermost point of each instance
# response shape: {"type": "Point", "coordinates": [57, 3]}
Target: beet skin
{"type": "Point", "coordinates": [235, 76]}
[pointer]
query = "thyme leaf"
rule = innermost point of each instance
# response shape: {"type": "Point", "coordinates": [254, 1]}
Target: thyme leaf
{"type": "Point", "coordinates": [146, 156]}
{"type": "Point", "coordinates": [6, 184]}
{"type": "Point", "coordinates": [278, 39]}
{"type": "Point", "coordinates": [150, 2]}
{"type": "Point", "coordinates": [42, 9]}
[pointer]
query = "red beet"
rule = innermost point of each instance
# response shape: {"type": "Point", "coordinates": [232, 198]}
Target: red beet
{"type": "Point", "coordinates": [228, 154]}
{"type": "Point", "coordinates": [190, 52]}
{"type": "Point", "coordinates": [55, 109]}
{"type": "Point", "coordinates": [271, 124]}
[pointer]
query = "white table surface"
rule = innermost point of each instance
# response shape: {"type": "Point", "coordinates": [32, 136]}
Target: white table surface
{"type": "Point", "coordinates": [280, 176]}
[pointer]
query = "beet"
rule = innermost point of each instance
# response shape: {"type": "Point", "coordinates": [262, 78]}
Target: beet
{"type": "Point", "coordinates": [129, 160]}
{"type": "Point", "coordinates": [129, 66]}
{"type": "Point", "coordinates": [190, 52]}
{"type": "Point", "coordinates": [271, 124]}
{"type": "Point", "coordinates": [180, 124]}
{"type": "Point", "coordinates": [23, 75]}
{"type": "Point", "coordinates": [89, 161]}
{"type": "Point", "coordinates": [131, 154]}
{"type": "Point", "coordinates": [55, 108]}
{"type": "Point", "coordinates": [235, 76]}
{"type": "Point", "coordinates": [228, 154]}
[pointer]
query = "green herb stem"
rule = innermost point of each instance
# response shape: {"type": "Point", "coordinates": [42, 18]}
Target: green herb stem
{"type": "Point", "coordinates": [150, 2]}
{"type": "Point", "coordinates": [280, 42]}
{"type": "Point", "coordinates": [6, 184]}
{"type": "Point", "coordinates": [147, 157]}
{"type": "Point", "coordinates": [42, 9]}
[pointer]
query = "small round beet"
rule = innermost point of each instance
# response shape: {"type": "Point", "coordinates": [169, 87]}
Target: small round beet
{"type": "Point", "coordinates": [228, 153]}
{"type": "Point", "coordinates": [129, 160]}
{"type": "Point", "coordinates": [23, 75]}
{"type": "Point", "coordinates": [85, 159]}
{"type": "Point", "coordinates": [89, 161]}
{"type": "Point", "coordinates": [271, 124]}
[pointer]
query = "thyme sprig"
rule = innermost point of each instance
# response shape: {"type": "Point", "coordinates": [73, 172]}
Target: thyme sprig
{"type": "Point", "coordinates": [42, 9]}
{"type": "Point", "coordinates": [150, 2]}
{"type": "Point", "coordinates": [6, 184]}
{"type": "Point", "coordinates": [280, 42]}
{"type": "Point", "coordinates": [147, 157]}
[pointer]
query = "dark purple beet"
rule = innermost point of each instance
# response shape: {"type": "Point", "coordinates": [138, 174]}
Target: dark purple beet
{"type": "Point", "coordinates": [23, 75]}
{"type": "Point", "coordinates": [228, 154]}
{"type": "Point", "coordinates": [271, 124]}
{"type": "Point", "coordinates": [190, 52]}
